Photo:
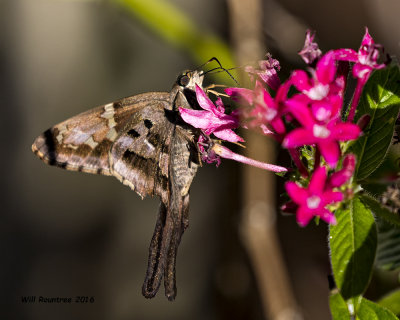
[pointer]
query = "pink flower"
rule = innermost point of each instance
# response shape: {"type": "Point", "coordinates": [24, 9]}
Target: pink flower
{"type": "Point", "coordinates": [241, 95]}
{"type": "Point", "coordinates": [213, 118]}
{"type": "Point", "coordinates": [365, 59]}
{"type": "Point", "coordinates": [312, 201]}
{"type": "Point", "coordinates": [326, 135]}
{"type": "Point", "coordinates": [342, 176]}
{"type": "Point", "coordinates": [310, 52]}
{"type": "Point", "coordinates": [322, 83]}
{"type": "Point", "coordinates": [268, 111]}
{"type": "Point", "coordinates": [365, 62]}
{"type": "Point", "coordinates": [265, 111]}
{"type": "Point", "coordinates": [267, 72]}
{"type": "Point", "coordinates": [317, 109]}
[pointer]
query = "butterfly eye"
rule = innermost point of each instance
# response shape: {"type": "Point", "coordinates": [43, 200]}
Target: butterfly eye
{"type": "Point", "coordinates": [183, 80]}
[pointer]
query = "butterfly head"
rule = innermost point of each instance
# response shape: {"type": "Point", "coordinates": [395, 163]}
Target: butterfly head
{"type": "Point", "coordinates": [189, 79]}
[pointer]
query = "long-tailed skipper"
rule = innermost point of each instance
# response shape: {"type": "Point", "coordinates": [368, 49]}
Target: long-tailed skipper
{"type": "Point", "coordinates": [143, 142]}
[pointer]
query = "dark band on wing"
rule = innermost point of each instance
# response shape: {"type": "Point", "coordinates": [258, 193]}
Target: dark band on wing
{"type": "Point", "coordinates": [76, 158]}
{"type": "Point", "coordinates": [148, 167]}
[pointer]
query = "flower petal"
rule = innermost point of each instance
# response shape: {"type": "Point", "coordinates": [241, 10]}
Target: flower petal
{"type": "Point", "coordinates": [300, 80]}
{"type": "Point", "coordinates": [298, 194]}
{"type": "Point", "coordinates": [298, 107]}
{"type": "Point", "coordinates": [268, 72]}
{"type": "Point", "coordinates": [317, 182]}
{"type": "Point", "coordinates": [268, 100]}
{"type": "Point", "coordinates": [228, 135]}
{"type": "Point", "coordinates": [322, 110]}
{"type": "Point", "coordinates": [197, 118]}
{"type": "Point", "coordinates": [342, 176]}
{"type": "Point", "coordinates": [345, 131]}
{"type": "Point", "coordinates": [265, 130]}
{"type": "Point", "coordinates": [278, 125]}
{"type": "Point", "coordinates": [330, 151]}
{"type": "Point", "coordinates": [331, 196]}
{"type": "Point", "coordinates": [310, 51]}
{"type": "Point", "coordinates": [362, 71]}
{"type": "Point", "coordinates": [367, 39]}
{"type": "Point", "coordinates": [220, 105]}
{"type": "Point", "coordinates": [327, 216]}
{"type": "Point", "coordinates": [327, 109]}
{"type": "Point", "coordinates": [240, 93]}
{"type": "Point", "coordinates": [281, 94]}
{"type": "Point", "coordinates": [204, 101]}
{"type": "Point", "coordinates": [303, 216]}
{"type": "Point", "coordinates": [326, 68]}
{"type": "Point", "coordinates": [346, 55]}
{"type": "Point", "coordinates": [299, 137]}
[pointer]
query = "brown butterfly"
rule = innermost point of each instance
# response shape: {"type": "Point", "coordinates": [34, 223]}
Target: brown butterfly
{"type": "Point", "coordinates": [143, 142]}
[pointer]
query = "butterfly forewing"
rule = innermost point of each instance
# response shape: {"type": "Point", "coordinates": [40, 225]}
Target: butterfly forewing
{"type": "Point", "coordinates": [83, 142]}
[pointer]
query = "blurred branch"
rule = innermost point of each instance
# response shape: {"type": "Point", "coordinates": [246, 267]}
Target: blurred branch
{"type": "Point", "coordinates": [258, 230]}
{"type": "Point", "coordinates": [174, 27]}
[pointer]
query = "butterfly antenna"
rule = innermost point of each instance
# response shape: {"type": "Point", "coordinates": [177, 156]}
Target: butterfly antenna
{"type": "Point", "coordinates": [221, 68]}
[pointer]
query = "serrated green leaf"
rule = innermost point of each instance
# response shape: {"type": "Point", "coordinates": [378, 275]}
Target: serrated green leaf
{"type": "Point", "coordinates": [372, 311]}
{"type": "Point", "coordinates": [381, 100]}
{"type": "Point", "coordinates": [338, 307]}
{"type": "Point", "coordinates": [381, 211]}
{"type": "Point", "coordinates": [391, 301]}
{"type": "Point", "coordinates": [388, 254]}
{"type": "Point", "coordinates": [353, 242]}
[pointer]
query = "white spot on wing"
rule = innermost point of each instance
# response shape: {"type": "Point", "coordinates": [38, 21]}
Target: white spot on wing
{"type": "Point", "coordinates": [91, 143]}
{"type": "Point", "coordinates": [109, 115]}
{"type": "Point", "coordinates": [150, 147]}
{"type": "Point", "coordinates": [112, 134]}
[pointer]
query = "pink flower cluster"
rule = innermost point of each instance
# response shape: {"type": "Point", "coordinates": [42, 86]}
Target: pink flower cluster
{"type": "Point", "coordinates": [310, 117]}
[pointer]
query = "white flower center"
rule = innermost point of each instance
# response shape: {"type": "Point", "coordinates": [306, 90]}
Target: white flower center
{"type": "Point", "coordinates": [313, 202]}
{"type": "Point", "coordinates": [318, 92]}
{"type": "Point", "coordinates": [323, 114]}
{"type": "Point", "coordinates": [320, 131]}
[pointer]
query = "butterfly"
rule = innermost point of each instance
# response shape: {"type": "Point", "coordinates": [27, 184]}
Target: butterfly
{"type": "Point", "coordinates": [143, 142]}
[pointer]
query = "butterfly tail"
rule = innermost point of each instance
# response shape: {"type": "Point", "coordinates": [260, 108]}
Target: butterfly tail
{"type": "Point", "coordinates": [180, 224]}
{"type": "Point", "coordinates": [157, 253]}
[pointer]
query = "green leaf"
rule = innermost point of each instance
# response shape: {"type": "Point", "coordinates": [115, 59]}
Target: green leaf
{"type": "Point", "coordinates": [391, 301]}
{"type": "Point", "coordinates": [372, 311]}
{"type": "Point", "coordinates": [353, 242]}
{"type": "Point", "coordinates": [338, 307]}
{"type": "Point", "coordinates": [388, 255]}
{"type": "Point", "coordinates": [380, 99]}
{"type": "Point", "coordinates": [380, 211]}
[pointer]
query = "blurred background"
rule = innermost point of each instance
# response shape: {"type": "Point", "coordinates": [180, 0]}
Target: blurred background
{"type": "Point", "coordinates": [67, 234]}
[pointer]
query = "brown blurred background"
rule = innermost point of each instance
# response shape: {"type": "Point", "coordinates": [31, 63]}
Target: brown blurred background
{"type": "Point", "coordinates": [66, 234]}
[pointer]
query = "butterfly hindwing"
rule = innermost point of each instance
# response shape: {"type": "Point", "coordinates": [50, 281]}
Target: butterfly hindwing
{"type": "Point", "coordinates": [140, 155]}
